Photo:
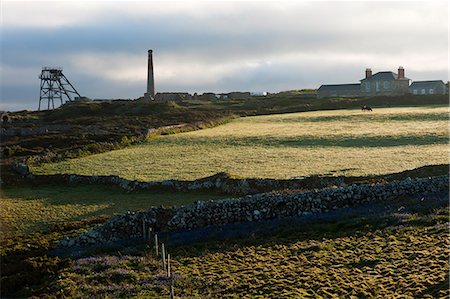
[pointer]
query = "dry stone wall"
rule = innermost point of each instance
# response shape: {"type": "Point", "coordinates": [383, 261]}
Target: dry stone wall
{"type": "Point", "coordinates": [220, 182]}
{"type": "Point", "coordinates": [251, 208]}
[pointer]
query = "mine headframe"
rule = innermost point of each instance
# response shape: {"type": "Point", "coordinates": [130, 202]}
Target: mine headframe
{"type": "Point", "coordinates": [54, 86]}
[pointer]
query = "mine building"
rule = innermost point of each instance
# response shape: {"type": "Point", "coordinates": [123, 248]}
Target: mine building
{"type": "Point", "coordinates": [172, 96]}
{"type": "Point", "coordinates": [428, 87]}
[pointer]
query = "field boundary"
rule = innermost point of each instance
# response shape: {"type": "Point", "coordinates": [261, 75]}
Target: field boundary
{"type": "Point", "coordinates": [251, 208]}
{"type": "Point", "coordinates": [223, 182]}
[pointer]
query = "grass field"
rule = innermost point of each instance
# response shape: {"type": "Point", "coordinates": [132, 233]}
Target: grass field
{"type": "Point", "coordinates": [396, 255]}
{"type": "Point", "coordinates": [339, 142]}
{"type": "Point", "coordinates": [37, 208]}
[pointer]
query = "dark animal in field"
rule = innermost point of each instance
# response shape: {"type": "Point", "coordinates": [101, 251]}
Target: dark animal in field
{"type": "Point", "coordinates": [366, 108]}
{"type": "Point", "coordinates": [5, 118]}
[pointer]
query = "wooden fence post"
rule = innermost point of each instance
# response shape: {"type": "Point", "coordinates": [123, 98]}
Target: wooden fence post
{"type": "Point", "coordinates": [150, 251]}
{"type": "Point", "coordinates": [163, 252]}
{"type": "Point", "coordinates": [143, 229]}
{"type": "Point", "coordinates": [156, 245]}
{"type": "Point", "coordinates": [172, 292]}
{"type": "Point", "coordinates": [168, 265]}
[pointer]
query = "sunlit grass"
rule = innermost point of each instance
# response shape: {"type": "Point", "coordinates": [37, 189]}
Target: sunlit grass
{"type": "Point", "coordinates": [341, 142]}
{"type": "Point", "coordinates": [31, 209]}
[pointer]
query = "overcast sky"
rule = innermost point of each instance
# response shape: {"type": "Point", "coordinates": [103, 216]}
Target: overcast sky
{"type": "Point", "coordinates": [216, 46]}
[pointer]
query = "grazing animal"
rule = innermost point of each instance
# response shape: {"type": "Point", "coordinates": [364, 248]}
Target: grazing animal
{"type": "Point", "coordinates": [366, 108]}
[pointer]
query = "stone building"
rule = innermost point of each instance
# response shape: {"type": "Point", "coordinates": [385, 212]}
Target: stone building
{"type": "Point", "coordinates": [385, 83]}
{"type": "Point", "coordinates": [208, 96]}
{"type": "Point", "coordinates": [338, 90]}
{"type": "Point", "coordinates": [428, 87]}
{"type": "Point", "coordinates": [172, 96]}
{"type": "Point", "coordinates": [380, 84]}
{"type": "Point", "coordinates": [239, 95]}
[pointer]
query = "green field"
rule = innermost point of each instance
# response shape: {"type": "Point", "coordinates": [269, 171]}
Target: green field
{"type": "Point", "coordinates": [35, 209]}
{"type": "Point", "coordinates": [338, 142]}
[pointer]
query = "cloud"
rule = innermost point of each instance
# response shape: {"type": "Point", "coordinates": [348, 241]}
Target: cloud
{"type": "Point", "coordinates": [218, 46]}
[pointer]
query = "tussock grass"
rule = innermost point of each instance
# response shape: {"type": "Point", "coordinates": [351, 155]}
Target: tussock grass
{"type": "Point", "coordinates": [392, 255]}
{"type": "Point", "coordinates": [380, 264]}
{"type": "Point", "coordinates": [340, 142]}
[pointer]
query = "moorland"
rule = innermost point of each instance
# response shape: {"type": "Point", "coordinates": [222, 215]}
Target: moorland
{"type": "Point", "coordinates": [400, 250]}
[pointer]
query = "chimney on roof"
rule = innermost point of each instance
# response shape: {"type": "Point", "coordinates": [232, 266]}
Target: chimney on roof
{"type": "Point", "coordinates": [401, 72]}
{"type": "Point", "coordinates": [368, 73]}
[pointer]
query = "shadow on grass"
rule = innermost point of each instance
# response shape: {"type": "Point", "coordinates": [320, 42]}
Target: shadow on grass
{"type": "Point", "coordinates": [306, 141]}
{"type": "Point", "coordinates": [436, 290]}
{"type": "Point", "coordinates": [60, 203]}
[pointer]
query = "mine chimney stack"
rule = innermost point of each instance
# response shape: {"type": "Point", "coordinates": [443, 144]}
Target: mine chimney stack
{"type": "Point", "coordinates": [150, 77]}
{"type": "Point", "coordinates": [150, 94]}
{"type": "Point", "coordinates": [401, 72]}
{"type": "Point", "coordinates": [368, 73]}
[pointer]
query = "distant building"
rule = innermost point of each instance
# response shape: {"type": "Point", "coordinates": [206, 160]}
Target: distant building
{"type": "Point", "coordinates": [224, 96]}
{"type": "Point", "coordinates": [428, 87]}
{"type": "Point", "coordinates": [258, 93]}
{"type": "Point", "coordinates": [82, 99]}
{"type": "Point", "coordinates": [207, 96]}
{"type": "Point", "coordinates": [384, 83]}
{"type": "Point", "coordinates": [339, 90]}
{"type": "Point", "coordinates": [239, 95]}
{"type": "Point", "coordinates": [172, 96]}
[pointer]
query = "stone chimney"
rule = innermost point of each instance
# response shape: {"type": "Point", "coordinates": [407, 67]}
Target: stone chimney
{"type": "Point", "coordinates": [368, 73]}
{"type": "Point", "coordinates": [401, 72]}
{"type": "Point", "coordinates": [150, 94]}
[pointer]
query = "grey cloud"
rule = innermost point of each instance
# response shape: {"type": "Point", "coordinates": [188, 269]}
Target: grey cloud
{"type": "Point", "coordinates": [307, 43]}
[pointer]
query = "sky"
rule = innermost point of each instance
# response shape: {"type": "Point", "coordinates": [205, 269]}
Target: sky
{"type": "Point", "coordinates": [215, 46]}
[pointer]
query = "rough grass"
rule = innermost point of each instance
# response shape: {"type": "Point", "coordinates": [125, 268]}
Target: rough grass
{"type": "Point", "coordinates": [380, 264]}
{"type": "Point", "coordinates": [340, 142]}
{"type": "Point", "coordinates": [31, 209]}
{"type": "Point", "coordinates": [402, 255]}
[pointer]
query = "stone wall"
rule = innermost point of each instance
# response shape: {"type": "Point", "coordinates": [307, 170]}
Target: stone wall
{"type": "Point", "coordinates": [221, 182]}
{"type": "Point", "coordinates": [251, 208]}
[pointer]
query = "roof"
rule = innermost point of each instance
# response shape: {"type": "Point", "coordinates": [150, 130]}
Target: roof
{"type": "Point", "coordinates": [383, 76]}
{"type": "Point", "coordinates": [355, 87]}
{"type": "Point", "coordinates": [425, 84]}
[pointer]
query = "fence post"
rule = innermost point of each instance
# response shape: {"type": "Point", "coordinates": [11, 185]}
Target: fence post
{"type": "Point", "coordinates": [143, 229]}
{"type": "Point", "coordinates": [150, 251]}
{"type": "Point", "coordinates": [168, 265]}
{"type": "Point", "coordinates": [163, 252]}
{"type": "Point", "coordinates": [156, 245]}
{"type": "Point", "coordinates": [172, 292]}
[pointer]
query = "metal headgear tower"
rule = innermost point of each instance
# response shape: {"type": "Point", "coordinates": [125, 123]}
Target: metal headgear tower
{"type": "Point", "coordinates": [54, 85]}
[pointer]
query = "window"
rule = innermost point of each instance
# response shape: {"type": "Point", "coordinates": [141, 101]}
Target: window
{"type": "Point", "coordinates": [386, 85]}
{"type": "Point", "coordinates": [415, 91]}
{"type": "Point", "coordinates": [423, 91]}
{"type": "Point", "coordinates": [431, 91]}
{"type": "Point", "coordinates": [377, 86]}
{"type": "Point", "coordinates": [367, 86]}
